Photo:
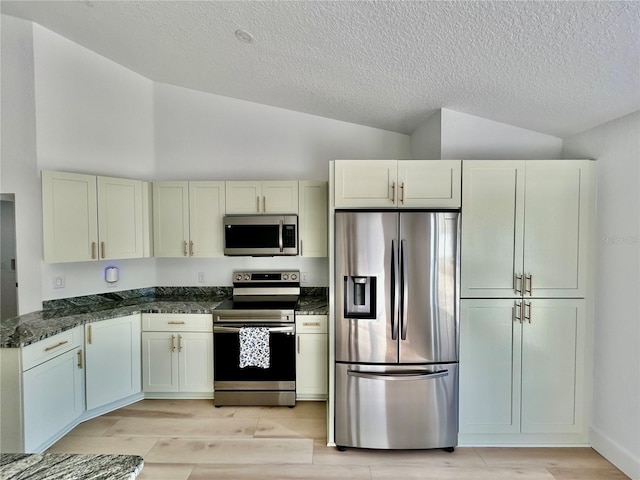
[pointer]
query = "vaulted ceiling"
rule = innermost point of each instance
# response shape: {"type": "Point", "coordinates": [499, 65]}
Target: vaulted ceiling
{"type": "Point", "coordinates": [557, 67]}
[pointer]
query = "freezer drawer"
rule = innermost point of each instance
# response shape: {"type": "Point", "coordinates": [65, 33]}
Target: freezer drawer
{"type": "Point", "coordinates": [396, 407]}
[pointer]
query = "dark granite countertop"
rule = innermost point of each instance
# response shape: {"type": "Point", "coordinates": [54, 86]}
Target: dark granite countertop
{"type": "Point", "coordinates": [63, 466]}
{"type": "Point", "coordinates": [64, 315]}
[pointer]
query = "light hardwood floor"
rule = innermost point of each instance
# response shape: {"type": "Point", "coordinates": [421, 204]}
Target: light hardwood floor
{"type": "Point", "coordinates": [192, 440]}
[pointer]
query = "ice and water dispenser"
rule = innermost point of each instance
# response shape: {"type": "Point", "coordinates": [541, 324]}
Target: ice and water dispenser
{"type": "Point", "coordinates": [359, 297]}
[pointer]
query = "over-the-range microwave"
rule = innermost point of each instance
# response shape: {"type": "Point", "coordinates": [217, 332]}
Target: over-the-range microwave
{"type": "Point", "coordinates": [260, 235]}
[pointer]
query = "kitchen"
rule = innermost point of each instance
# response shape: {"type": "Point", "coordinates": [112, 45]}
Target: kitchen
{"type": "Point", "coordinates": [243, 135]}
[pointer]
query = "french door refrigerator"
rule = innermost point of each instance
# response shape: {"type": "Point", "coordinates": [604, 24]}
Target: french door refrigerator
{"type": "Point", "coordinates": [396, 325]}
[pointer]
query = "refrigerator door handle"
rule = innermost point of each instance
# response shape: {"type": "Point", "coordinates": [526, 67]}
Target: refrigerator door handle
{"type": "Point", "coordinates": [398, 376]}
{"type": "Point", "coordinates": [404, 294]}
{"type": "Point", "coordinates": [394, 290]}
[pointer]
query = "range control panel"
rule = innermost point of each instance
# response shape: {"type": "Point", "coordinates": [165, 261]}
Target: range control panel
{"type": "Point", "coordinates": [275, 278]}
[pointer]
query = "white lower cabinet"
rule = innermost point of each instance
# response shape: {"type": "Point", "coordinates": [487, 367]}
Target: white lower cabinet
{"type": "Point", "coordinates": [112, 352]}
{"type": "Point", "coordinates": [312, 362]}
{"type": "Point", "coordinates": [42, 392]}
{"type": "Point", "coordinates": [522, 371]}
{"type": "Point", "coordinates": [177, 355]}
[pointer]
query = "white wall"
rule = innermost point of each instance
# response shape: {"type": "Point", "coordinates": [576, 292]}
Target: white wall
{"type": "Point", "coordinates": [19, 161]}
{"type": "Point", "coordinates": [204, 136]}
{"type": "Point", "coordinates": [426, 139]}
{"type": "Point", "coordinates": [615, 430]}
{"type": "Point", "coordinates": [469, 137]}
{"type": "Point", "coordinates": [92, 116]}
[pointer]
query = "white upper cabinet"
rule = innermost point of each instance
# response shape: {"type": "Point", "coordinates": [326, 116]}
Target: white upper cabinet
{"type": "Point", "coordinates": [397, 183]}
{"type": "Point", "coordinates": [91, 218]}
{"type": "Point", "coordinates": [429, 183]}
{"type": "Point", "coordinates": [187, 218]}
{"type": "Point", "coordinates": [69, 213]}
{"type": "Point", "coordinates": [313, 219]}
{"type": "Point", "coordinates": [262, 197]}
{"type": "Point", "coordinates": [525, 228]}
{"type": "Point", "coordinates": [120, 219]}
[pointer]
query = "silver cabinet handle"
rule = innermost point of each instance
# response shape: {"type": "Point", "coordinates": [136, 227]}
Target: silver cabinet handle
{"type": "Point", "coordinates": [175, 323]}
{"type": "Point", "coordinates": [258, 204]}
{"type": "Point", "coordinates": [527, 311]}
{"type": "Point", "coordinates": [517, 312]}
{"type": "Point", "coordinates": [173, 343]}
{"type": "Point", "coordinates": [102, 249]}
{"type": "Point", "coordinates": [298, 345]}
{"type": "Point", "coordinates": [402, 193]}
{"type": "Point", "coordinates": [191, 248]}
{"type": "Point", "coordinates": [264, 204]}
{"type": "Point", "coordinates": [517, 284]}
{"type": "Point", "coordinates": [79, 353]}
{"type": "Point", "coordinates": [393, 192]}
{"type": "Point", "coordinates": [179, 343]}
{"type": "Point", "coordinates": [89, 336]}
{"type": "Point", "coordinates": [184, 248]}
{"type": "Point", "coordinates": [399, 376]}
{"type": "Point", "coordinates": [529, 290]}
{"type": "Point", "coordinates": [93, 250]}
{"type": "Point", "coordinates": [301, 250]}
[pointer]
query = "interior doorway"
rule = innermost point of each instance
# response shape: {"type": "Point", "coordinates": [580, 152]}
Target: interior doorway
{"type": "Point", "coordinates": [8, 272]}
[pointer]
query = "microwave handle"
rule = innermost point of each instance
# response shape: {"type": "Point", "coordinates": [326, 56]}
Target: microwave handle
{"type": "Point", "coordinates": [280, 243]}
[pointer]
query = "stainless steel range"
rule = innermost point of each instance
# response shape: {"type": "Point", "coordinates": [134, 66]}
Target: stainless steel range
{"type": "Point", "coordinates": [254, 340]}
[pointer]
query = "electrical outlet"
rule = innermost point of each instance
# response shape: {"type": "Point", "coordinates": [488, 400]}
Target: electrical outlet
{"type": "Point", "coordinates": [58, 281]}
{"type": "Point", "coordinates": [201, 277]}
{"type": "Point", "coordinates": [303, 277]}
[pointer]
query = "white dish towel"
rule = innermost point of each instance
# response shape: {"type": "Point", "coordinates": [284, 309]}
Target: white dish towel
{"type": "Point", "coordinates": [254, 347]}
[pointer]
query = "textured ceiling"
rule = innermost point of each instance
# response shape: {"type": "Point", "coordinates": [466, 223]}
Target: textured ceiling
{"type": "Point", "coordinates": [553, 67]}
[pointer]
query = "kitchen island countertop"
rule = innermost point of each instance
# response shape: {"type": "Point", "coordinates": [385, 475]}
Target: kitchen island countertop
{"type": "Point", "coordinates": [63, 466]}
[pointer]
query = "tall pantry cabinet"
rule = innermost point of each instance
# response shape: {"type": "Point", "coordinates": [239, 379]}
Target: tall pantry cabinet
{"type": "Point", "coordinates": [525, 243]}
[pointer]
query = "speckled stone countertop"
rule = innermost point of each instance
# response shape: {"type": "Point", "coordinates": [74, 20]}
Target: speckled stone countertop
{"type": "Point", "coordinates": [62, 466]}
{"type": "Point", "coordinates": [60, 315]}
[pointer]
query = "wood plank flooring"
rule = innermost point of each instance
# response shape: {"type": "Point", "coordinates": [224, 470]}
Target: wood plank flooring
{"type": "Point", "coordinates": [192, 440]}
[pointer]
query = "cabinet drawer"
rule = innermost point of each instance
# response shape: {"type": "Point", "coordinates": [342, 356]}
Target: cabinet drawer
{"type": "Point", "coordinates": [51, 347]}
{"type": "Point", "coordinates": [311, 324]}
{"type": "Point", "coordinates": [173, 322]}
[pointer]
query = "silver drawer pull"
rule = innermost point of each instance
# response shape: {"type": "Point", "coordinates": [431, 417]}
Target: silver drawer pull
{"type": "Point", "coordinates": [52, 347]}
{"type": "Point", "coordinates": [175, 323]}
{"type": "Point", "coordinates": [311, 324]}
{"type": "Point", "coordinates": [399, 376]}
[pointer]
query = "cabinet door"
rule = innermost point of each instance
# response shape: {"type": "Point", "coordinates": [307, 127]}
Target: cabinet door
{"type": "Point", "coordinates": [243, 197]}
{"type": "Point", "coordinates": [112, 360]}
{"type": "Point", "coordinates": [313, 219]}
{"type": "Point", "coordinates": [160, 362]}
{"type": "Point", "coordinates": [362, 183]}
{"type": "Point", "coordinates": [120, 219]}
{"type": "Point", "coordinates": [170, 219]}
{"type": "Point", "coordinates": [70, 225]}
{"type": "Point", "coordinates": [53, 398]}
{"type": "Point", "coordinates": [490, 343]}
{"type": "Point", "coordinates": [280, 197]}
{"type": "Point", "coordinates": [553, 366]}
{"type": "Point", "coordinates": [492, 227]}
{"type": "Point", "coordinates": [557, 212]}
{"type": "Point", "coordinates": [312, 366]}
{"type": "Point", "coordinates": [206, 210]}
{"type": "Point", "coordinates": [429, 183]}
{"type": "Point", "coordinates": [195, 362]}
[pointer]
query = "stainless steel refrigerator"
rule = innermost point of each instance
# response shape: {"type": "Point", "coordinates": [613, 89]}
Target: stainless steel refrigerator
{"type": "Point", "coordinates": [396, 301]}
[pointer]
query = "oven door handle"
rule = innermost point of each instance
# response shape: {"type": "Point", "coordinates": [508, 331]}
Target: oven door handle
{"type": "Point", "coordinates": [220, 329]}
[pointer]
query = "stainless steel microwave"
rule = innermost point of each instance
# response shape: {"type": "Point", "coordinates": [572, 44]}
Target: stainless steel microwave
{"type": "Point", "coordinates": [261, 235]}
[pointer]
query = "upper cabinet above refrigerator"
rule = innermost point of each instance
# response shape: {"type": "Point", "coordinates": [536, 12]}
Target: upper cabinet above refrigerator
{"type": "Point", "coordinates": [525, 228]}
{"type": "Point", "coordinates": [397, 183]}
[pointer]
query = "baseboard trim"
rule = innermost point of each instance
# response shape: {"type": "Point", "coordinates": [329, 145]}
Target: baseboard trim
{"type": "Point", "coordinates": [616, 454]}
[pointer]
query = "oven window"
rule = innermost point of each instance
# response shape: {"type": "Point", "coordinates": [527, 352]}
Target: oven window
{"type": "Point", "coordinates": [251, 236]}
{"type": "Point", "coordinates": [282, 365]}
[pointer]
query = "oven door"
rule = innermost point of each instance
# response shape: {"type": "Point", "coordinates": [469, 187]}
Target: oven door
{"type": "Point", "coordinates": [228, 375]}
